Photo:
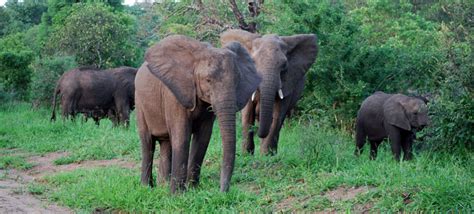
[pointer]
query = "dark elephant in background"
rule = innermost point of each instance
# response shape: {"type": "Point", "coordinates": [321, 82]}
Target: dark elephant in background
{"type": "Point", "coordinates": [96, 93]}
{"type": "Point", "coordinates": [179, 90]}
{"type": "Point", "coordinates": [283, 62]}
{"type": "Point", "coordinates": [395, 116]}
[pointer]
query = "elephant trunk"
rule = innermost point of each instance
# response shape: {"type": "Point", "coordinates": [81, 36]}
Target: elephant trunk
{"type": "Point", "coordinates": [226, 117]}
{"type": "Point", "coordinates": [267, 99]}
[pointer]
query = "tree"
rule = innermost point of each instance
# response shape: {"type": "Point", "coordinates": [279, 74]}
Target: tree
{"type": "Point", "coordinates": [253, 7]}
{"type": "Point", "coordinates": [96, 36]}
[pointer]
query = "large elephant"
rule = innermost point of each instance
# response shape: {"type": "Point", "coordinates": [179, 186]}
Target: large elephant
{"type": "Point", "coordinates": [96, 93]}
{"type": "Point", "coordinates": [283, 62]}
{"type": "Point", "coordinates": [395, 116]}
{"type": "Point", "coordinates": [179, 89]}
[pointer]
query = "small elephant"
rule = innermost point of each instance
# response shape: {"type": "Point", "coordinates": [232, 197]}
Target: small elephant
{"type": "Point", "coordinates": [395, 116]}
{"type": "Point", "coordinates": [96, 93]}
{"type": "Point", "coordinates": [179, 90]}
{"type": "Point", "coordinates": [283, 62]}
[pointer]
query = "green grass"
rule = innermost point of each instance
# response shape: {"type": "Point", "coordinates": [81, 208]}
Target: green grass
{"type": "Point", "coordinates": [311, 161]}
{"type": "Point", "coordinates": [8, 161]}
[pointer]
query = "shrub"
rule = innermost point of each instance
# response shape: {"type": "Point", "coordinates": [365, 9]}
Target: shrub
{"type": "Point", "coordinates": [452, 110]}
{"type": "Point", "coordinates": [15, 72]}
{"type": "Point", "coordinates": [95, 35]}
{"type": "Point", "coordinates": [15, 59]}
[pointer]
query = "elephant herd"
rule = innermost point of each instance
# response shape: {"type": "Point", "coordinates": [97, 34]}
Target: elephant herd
{"type": "Point", "coordinates": [184, 84]}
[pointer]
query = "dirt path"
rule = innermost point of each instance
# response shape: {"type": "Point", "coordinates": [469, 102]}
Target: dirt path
{"type": "Point", "coordinates": [14, 194]}
{"type": "Point", "coordinates": [14, 198]}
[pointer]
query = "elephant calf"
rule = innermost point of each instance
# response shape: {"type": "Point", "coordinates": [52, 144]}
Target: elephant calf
{"type": "Point", "coordinates": [96, 93]}
{"type": "Point", "coordinates": [395, 116]}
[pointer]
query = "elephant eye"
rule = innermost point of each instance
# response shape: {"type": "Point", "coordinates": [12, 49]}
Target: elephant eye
{"type": "Point", "coordinates": [208, 80]}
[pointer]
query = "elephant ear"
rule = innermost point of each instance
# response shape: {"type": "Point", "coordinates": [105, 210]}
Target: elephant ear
{"type": "Point", "coordinates": [249, 79]}
{"type": "Point", "coordinates": [245, 38]}
{"type": "Point", "coordinates": [395, 113]}
{"type": "Point", "coordinates": [301, 54]}
{"type": "Point", "coordinates": [172, 61]}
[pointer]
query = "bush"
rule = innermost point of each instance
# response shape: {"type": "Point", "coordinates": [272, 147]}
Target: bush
{"type": "Point", "coordinates": [15, 58]}
{"type": "Point", "coordinates": [46, 73]}
{"type": "Point", "coordinates": [15, 72]}
{"type": "Point", "coordinates": [95, 35]}
{"type": "Point", "coordinates": [452, 127]}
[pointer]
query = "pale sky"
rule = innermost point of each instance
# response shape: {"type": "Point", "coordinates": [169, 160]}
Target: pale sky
{"type": "Point", "coordinates": [127, 2]}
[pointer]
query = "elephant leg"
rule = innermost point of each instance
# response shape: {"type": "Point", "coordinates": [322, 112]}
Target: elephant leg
{"type": "Point", "coordinates": [148, 150]}
{"type": "Point", "coordinates": [270, 143]}
{"type": "Point", "coordinates": [164, 170]}
{"type": "Point", "coordinates": [361, 137]}
{"type": "Point", "coordinates": [179, 157]}
{"type": "Point", "coordinates": [395, 139]}
{"type": "Point", "coordinates": [201, 138]}
{"type": "Point", "coordinates": [96, 120]}
{"type": "Point", "coordinates": [248, 120]}
{"type": "Point", "coordinates": [374, 146]}
{"type": "Point", "coordinates": [407, 145]}
{"type": "Point", "coordinates": [123, 111]}
{"type": "Point", "coordinates": [66, 107]}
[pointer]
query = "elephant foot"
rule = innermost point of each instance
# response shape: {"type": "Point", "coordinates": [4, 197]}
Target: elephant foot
{"type": "Point", "coordinates": [268, 151]}
{"type": "Point", "coordinates": [247, 149]}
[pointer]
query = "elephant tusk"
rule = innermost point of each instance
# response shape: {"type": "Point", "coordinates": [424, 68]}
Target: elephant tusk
{"type": "Point", "coordinates": [280, 93]}
{"type": "Point", "coordinates": [253, 96]}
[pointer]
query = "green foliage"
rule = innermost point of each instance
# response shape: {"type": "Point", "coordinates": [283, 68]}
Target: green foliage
{"type": "Point", "coordinates": [203, 23]}
{"type": "Point", "coordinates": [96, 36]}
{"type": "Point", "coordinates": [46, 73]}
{"type": "Point", "coordinates": [18, 16]}
{"type": "Point", "coordinates": [15, 59]}
{"type": "Point", "coordinates": [452, 127]}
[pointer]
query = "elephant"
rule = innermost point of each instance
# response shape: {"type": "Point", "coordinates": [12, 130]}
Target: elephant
{"type": "Point", "coordinates": [395, 116]}
{"type": "Point", "coordinates": [179, 90]}
{"type": "Point", "coordinates": [283, 62]}
{"type": "Point", "coordinates": [96, 93]}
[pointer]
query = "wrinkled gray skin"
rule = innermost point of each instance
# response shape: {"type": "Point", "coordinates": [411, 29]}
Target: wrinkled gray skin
{"type": "Point", "coordinates": [395, 116]}
{"type": "Point", "coordinates": [282, 61]}
{"type": "Point", "coordinates": [96, 93]}
{"type": "Point", "coordinates": [180, 89]}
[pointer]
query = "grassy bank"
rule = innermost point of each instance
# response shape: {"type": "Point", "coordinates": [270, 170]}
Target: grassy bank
{"type": "Point", "coordinates": [314, 170]}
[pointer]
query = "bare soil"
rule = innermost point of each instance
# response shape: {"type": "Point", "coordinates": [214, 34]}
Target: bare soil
{"type": "Point", "coordinates": [14, 196]}
{"type": "Point", "coordinates": [343, 193]}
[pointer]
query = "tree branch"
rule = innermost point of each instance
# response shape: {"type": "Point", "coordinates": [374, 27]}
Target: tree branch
{"type": "Point", "coordinates": [240, 18]}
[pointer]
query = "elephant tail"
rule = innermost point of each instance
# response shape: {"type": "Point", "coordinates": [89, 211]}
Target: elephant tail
{"type": "Point", "coordinates": [56, 92]}
{"type": "Point", "coordinates": [360, 137]}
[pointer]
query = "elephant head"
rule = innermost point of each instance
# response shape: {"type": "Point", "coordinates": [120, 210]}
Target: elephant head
{"type": "Point", "coordinates": [223, 77]}
{"type": "Point", "coordinates": [406, 112]}
{"type": "Point", "coordinates": [281, 60]}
